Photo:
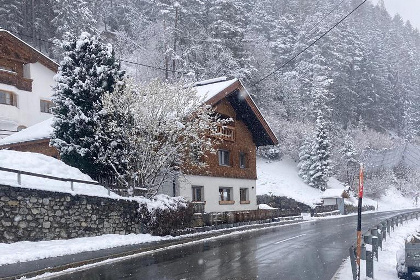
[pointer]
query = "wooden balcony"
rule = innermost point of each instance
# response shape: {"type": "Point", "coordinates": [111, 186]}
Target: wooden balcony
{"type": "Point", "coordinates": [13, 79]}
{"type": "Point", "coordinates": [225, 132]}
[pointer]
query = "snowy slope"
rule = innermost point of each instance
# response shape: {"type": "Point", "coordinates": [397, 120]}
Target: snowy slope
{"type": "Point", "coordinates": [281, 178]}
{"type": "Point", "coordinates": [41, 164]}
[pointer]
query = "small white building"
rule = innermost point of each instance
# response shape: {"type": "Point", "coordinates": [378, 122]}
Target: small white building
{"type": "Point", "coordinates": [26, 80]}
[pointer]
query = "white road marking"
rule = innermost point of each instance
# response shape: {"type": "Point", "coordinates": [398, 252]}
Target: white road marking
{"type": "Point", "coordinates": [281, 241]}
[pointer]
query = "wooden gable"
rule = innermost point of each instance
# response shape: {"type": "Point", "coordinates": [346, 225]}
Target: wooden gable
{"type": "Point", "coordinates": [14, 54]}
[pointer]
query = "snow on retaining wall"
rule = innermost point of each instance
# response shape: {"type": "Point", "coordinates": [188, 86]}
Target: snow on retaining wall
{"type": "Point", "coordinates": [33, 215]}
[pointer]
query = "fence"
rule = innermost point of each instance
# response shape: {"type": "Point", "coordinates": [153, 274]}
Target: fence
{"type": "Point", "coordinates": [373, 238]}
{"type": "Point", "coordinates": [19, 174]}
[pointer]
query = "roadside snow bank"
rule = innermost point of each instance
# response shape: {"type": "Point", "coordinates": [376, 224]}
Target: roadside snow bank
{"type": "Point", "coordinates": [28, 251]}
{"type": "Point", "coordinates": [386, 267]}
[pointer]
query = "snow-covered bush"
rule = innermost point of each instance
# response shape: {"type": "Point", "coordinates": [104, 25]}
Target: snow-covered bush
{"type": "Point", "coordinates": [164, 215]}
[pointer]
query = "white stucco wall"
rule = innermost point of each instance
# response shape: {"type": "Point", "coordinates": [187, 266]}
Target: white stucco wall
{"type": "Point", "coordinates": [330, 201]}
{"type": "Point", "coordinates": [211, 192]}
{"type": "Point", "coordinates": [28, 111]}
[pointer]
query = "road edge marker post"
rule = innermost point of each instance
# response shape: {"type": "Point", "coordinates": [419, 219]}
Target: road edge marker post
{"type": "Point", "coordinates": [359, 222]}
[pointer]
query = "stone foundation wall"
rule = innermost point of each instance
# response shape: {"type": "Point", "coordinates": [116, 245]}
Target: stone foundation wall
{"type": "Point", "coordinates": [35, 215]}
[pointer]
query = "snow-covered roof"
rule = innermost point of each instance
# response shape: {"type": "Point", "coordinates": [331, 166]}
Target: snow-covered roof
{"type": "Point", "coordinates": [214, 90]}
{"type": "Point", "coordinates": [39, 131]}
{"type": "Point", "coordinates": [209, 88]}
{"type": "Point", "coordinates": [333, 193]}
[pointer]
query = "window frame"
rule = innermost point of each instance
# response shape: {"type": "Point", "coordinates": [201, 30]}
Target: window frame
{"type": "Point", "coordinates": [243, 160]}
{"type": "Point", "coordinates": [229, 195]}
{"type": "Point", "coordinates": [194, 194]}
{"type": "Point", "coordinates": [221, 154]}
{"type": "Point", "coordinates": [8, 95]}
{"type": "Point", "coordinates": [49, 105]}
{"type": "Point", "coordinates": [246, 200]}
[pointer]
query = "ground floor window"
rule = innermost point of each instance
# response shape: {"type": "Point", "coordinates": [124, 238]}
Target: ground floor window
{"type": "Point", "coordinates": [225, 194]}
{"type": "Point", "coordinates": [244, 195]}
{"type": "Point", "coordinates": [197, 193]}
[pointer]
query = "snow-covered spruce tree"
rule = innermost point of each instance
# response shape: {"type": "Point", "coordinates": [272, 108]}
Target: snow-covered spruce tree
{"type": "Point", "coordinates": [320, 157]}
{"type": "Point", "coordinates": [305, 161]}
{"type": "Point", "coordinates": [151, 130]}
{"type": "Point", "coordinates": [86, 73]}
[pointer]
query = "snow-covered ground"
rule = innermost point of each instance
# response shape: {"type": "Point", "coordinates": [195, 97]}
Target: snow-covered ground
{"type": "Point", "coordinates": [28, 251]}
{"type": "Point", "coordinates": [386, 267]}
{"type": "Point", "coordinates": [41, 164]}
{"type": "Point", "coordinates": [281, 178]}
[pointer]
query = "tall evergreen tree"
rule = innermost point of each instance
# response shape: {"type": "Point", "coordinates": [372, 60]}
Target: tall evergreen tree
{"type": "Point", "coordinates": [86, 73]}
{"type": "Point", "coordinates": [320, 168]}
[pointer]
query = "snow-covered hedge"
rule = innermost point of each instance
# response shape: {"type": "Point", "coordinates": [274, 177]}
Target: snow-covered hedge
{"type": "Point", "coordinates": [163, 215]}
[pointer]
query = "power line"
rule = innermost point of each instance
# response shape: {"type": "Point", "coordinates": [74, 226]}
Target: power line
{"type": "Point", "coordinates": [123, 60]}
{"type": "Point", "coordinates": [324, 17]}
{"type": "Point", "coordinates": [310, 45]}
{"type": "Point", "coordinates": [154, 67]}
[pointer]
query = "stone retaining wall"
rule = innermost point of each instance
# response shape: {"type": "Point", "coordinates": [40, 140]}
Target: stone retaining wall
{"type": "Point", "coordinates": [33, 215]}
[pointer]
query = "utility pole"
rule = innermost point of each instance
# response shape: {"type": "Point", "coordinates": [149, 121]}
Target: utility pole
{"type": "Point", "coordinates": [175, 39]}
{"type": "Point", "coordinates": [359, 222]}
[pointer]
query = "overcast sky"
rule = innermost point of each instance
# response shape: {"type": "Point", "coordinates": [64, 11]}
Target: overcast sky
{"type": "Point", "coordinates": [408, 10]}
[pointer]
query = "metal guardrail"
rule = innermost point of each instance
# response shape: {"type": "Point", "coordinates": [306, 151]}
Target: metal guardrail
{"type": "Point", "coordinates": [72, 181]}
{"type": "Point", "coordinates": [373, 238]}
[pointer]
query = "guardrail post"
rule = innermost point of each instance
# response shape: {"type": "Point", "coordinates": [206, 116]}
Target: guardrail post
{"type": "Point", "coordinates": [388, 226]}
{"type": "Point", "coordinates": [369, 264]}
{"type": "Point", "coordinates": [71, 185]}
{"type": "Point", "coordinates": [19, 178]}
{"type": "Point", "coordinates": [367, 238]}
{"type": "Point", "coordinates": [417, 215]}
{"type": "Point", "coordinates": [375, 242]}
{"type": "Point", "coordinates": [384, 229]}
{"type": "Point", "coordinates": [379, 235]}
{"type": "Point", "coordinates": [363, 252]}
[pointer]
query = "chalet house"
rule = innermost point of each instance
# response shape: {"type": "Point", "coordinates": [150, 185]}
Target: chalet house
{"type": "Point", "coordinates": [228, 182]}
{"type": "Point", "coordinates": [26, 79]}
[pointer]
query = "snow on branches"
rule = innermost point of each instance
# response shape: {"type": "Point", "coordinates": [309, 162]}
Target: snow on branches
{"type": "Point", "coordinates": [87, 71]}
{"type": "Point", "coordinates": [148, 130]}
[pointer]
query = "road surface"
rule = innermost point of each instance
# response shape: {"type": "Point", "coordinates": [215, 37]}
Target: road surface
{"type": "Point", "coordinates": [309, 250]}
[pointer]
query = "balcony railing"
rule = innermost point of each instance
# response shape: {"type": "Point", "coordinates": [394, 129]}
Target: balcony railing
{"type": "Point", "coordinates": [226, 132]}
{"type": "Point", "coordinates": [13, 79]}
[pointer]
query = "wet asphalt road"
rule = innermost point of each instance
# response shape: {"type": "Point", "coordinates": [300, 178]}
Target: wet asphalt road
{"type": "Point", "coordinates": [309, 250]}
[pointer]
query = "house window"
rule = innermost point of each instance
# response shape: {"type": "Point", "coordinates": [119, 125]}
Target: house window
{"type": "Point", "coordinates": [244, 195]}
{"type": "Point", "coordinates": [8, 98]}
{"type": "Point", "coordinates": [46, 106]}
{"type": "Point", "coordinates": [197, 193]}
{"type": "Point", "coordinates": [225, 194]}
{"type": "Point", "coordinates": [243, 160]}
{"type": "Point", "coordinates": [224, 157]}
